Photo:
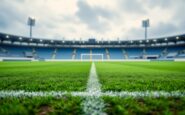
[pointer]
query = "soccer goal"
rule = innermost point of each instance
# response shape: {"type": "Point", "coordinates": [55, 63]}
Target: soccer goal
{"type": "Point", "coordinates": [91, 57]}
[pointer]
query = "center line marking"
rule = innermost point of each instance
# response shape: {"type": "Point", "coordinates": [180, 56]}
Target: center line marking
{"type": "Point", "coordinates": [93, 104]}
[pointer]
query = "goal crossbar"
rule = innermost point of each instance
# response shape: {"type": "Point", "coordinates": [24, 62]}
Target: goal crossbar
{"type": "Point", "coordinates": [91, 57]}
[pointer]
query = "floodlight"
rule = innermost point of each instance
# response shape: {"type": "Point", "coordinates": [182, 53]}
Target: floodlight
{"type": "Point", "coordinates": [166, 39]}
{"type": "Point", "coordinates": [140, 41]}
{"type": "Point", "coordinates": [40, 40]}
{"type": "Point", "coordinates": [7, 36]}
{"type": "Point", "coordinates": [31, 22]}
{"type": "Point", "coordinates": [146, 24]}
{"type": "Point", "coordinates": [20, 38]}
{"type": "Point", "coordinates": [63, 40]}
{"type": "Point", "coordinates": [177, 37]}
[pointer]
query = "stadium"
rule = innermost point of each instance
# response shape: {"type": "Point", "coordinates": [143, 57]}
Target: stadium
{"type": "Point", "coordinates": [91, 76]}
{"type": "Point", "coordinates": [35, 49]}
{"type": "Point", "coordinates": [68, 56]}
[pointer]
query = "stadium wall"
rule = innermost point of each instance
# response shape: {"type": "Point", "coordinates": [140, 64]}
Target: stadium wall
{"type": "Point", "coordinates": [179, 60]}
{"type": "Point", "coordinates": [126, 60]}
{"type": "Point", "coordinates": [78, 60]}
{"type": "Point", "coordinates": [16, 59]}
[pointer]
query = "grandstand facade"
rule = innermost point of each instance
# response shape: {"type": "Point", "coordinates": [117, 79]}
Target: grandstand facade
{"type": "Point", "coordinates": [24, 48]}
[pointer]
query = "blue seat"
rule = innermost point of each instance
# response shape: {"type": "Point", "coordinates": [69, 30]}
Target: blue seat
{"type": "Point", "coordinates": [154, 51]}
{"type": "Point", "coordinates": [134, 52]}
{"type": "Point", "coordinates": [116, 53]}
{"type": "Point", "coordinates": [44, 53]}
{"type": "Point", "coordinates": [64, 53]}
{"type": "Point", "coordinates": [99, 51]}
{"type": "Point", "coordinates": [15, 51]}
{"type": "Point", "coordinates": [80, 51]}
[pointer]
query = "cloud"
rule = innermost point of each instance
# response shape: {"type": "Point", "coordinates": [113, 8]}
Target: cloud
{"type": "Point", "coordinates": [93, 18]}
{"type": "Point", "coordinates": [132, 6]}
{"type": "Point", "coordinates": [179, 17]}
{"type": "Point", "coordinates": [159, 3]}
{"type": "Point", "coordinates": [163, 29]}
{"type": "Point", "coordinates": [9, 16]}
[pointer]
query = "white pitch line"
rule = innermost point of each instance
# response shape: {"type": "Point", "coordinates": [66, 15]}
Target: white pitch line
{"type": "Point", "coordinates": [93, 104]}
{"type": "Point", "coordinates": [124, 94]}
{"type": "Point", "coordinates": [22, 93]}
{"type": "Point", "coordinates": [93, 85]}
{"type": "Point", "coordinates": [139, 94]}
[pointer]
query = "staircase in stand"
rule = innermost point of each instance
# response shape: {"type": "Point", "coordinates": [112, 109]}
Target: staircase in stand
{"type": "Point", "coordinates": [125, 55]}
{"type": "Point", "coordinates": [74, 54]}
{"type": "Point", "coordinates": [34, 53]}
{"type": "Point", "coordinates": [54, 53]}
{"type": "Point", "coordinates": [107, 54]}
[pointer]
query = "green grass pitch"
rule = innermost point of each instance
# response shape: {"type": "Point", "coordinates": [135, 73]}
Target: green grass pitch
{"type": "Point", "coordinates": [142, 76]}
{"type": "Point", "coordinates": [44, 76]}
{"type": "Point", "coordinates": [73, 76]}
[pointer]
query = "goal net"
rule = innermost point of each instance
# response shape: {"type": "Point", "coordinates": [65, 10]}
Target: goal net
{"type": "Point", "coordinates": [92, 57]}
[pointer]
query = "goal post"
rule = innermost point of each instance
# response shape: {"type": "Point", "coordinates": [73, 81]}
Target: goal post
{"type": "Point", "coordinates": [91, 57]}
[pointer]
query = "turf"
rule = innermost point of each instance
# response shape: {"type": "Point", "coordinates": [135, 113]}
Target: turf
{"type": "Point", "coordinates": [66, 105]}
{"type": "Point", "coordinates": [73, 76]}
{"type": "Point", "coordinates": [144, 106]}
{"type": "Point", "coordinates": [142, 76]}
{"type": "Point", "coordinates": [44, 76]}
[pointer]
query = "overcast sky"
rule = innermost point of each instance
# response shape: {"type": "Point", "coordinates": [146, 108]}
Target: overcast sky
{"type": "Point", "coordinates": [107, 19]}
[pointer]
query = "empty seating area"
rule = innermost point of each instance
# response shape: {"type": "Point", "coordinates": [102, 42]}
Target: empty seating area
{"type": "Point", "coordinates": [14, 51]}
{"type": "Point", "coordinates": [116, 53]}
{"type": "Point", "coordinates": [181, 56]}
{"type": "Point", "coordinates": [108, 53]}
{"type": "Point", "coordinates": [154, 51]}
{"type": "Point", "coordinates": [99, 51]}
{"type": "Point", "coordinates": [64, 53]}
{"type": "Point", "coordinates": [81, 51]}
{"type": "Point", "coordinates": [134, 53]}
{"type": "Point", "coordinates": [172, 55]}
{"type": "Point", "coordinates": [44, 53]}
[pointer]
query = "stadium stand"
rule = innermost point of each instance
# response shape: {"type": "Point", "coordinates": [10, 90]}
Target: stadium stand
{"type": "Point", "coordinates": [116, 53]}
{"type": "Point", "coordinates": [14, 51]}
{"type": "Point", "coordinates": [99, 51]}
{"type": "Point", "coordinates": [64, 53]}
{"type": "Point", "coordinates": [81, 51]}
{"type": "Point", "coordinates": [158, 48]}
{"type": "Point", "coordinates": [134, 53]}
{"type": "Point", "coordinates": [44, 53]}
{"type": "Point", "coordinates": [172, 55]}
{"type": "Point", "coordinates": [181, 56]}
